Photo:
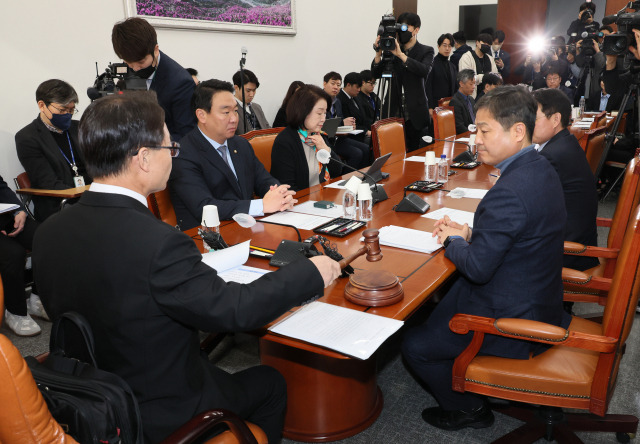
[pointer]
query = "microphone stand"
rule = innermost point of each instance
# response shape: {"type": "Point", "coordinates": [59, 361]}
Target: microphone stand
{"type": "Point", "coordinates": [378, 194]}
{"type": "Point", "coordinates": [467, 156]}
{"type": "Point", "coordinates": [282, 225]}
{"type": "Point", "coordinates": [244, 104]}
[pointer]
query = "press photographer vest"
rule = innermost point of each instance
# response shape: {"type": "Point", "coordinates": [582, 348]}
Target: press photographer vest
{"type": "Point", "coordinates": [483, 65]}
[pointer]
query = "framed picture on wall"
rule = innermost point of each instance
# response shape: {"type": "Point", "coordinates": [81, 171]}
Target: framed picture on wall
{"type": "Point", "coordinates": [251, 16]}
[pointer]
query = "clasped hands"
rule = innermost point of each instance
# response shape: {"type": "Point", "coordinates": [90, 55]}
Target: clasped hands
{"type": "Point", "coordinates": [278, 198]}
{"type": "Point", "coordinates": [445, 227]}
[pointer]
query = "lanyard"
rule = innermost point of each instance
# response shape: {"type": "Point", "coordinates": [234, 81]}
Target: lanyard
{"type": "Point", "coordinates": [71, 163]}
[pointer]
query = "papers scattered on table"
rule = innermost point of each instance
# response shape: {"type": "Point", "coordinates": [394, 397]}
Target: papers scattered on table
{"type": "Point", "coordinates": [471, 193]}
{"type": "Point", "coordinates": [308, 208]}
{"type": "Point", "coordinates": [415, 159]}
{"type": "Point", "coordinates": [347, 331]}
{"type": "Point", "coordinates": [408, 239]}
{"type": "Point", "coordinates": [462, 217]}
{"type": "Point", "coordinates": [298, 220]}
{"type": "Point", "coordinates": [228, 263]}
{"type": "Point", "coordinates": [352, 132]}
{"type": "Point", "coordinates": [5, 208]}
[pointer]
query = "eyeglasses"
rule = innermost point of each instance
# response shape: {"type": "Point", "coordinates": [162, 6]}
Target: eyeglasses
{"type": "Point", "coordinates": [73, 110]}
{"type": "Point", "coordinates": [175, 149]}
{"type": "Point", "coordinates": [372, 83]}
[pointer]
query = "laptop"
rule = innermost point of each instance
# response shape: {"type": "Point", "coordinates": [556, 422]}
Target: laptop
{"type": "Point", "coordinates": [375, 171]}
{"type": "Point", "coordinates": [331, 126]}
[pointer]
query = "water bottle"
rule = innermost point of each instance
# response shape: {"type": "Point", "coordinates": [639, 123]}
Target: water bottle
{"type": "Point", "coordinates": [365, 202]}
{"type": "Point", "coordinates": [581, 106]}
{"type": "Point", "coordinates": [349, 202]}
{"type": "Point", "coordinates": [430, 166]}
{"type": "Point", "coordinates": [443, 169]}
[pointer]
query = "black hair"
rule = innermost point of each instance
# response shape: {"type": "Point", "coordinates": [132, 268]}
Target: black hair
{"type": "Point", "coordinates": [491, 78]}
{"type": "Point", "coordinates": [484, 38]}
{"type": "Point", "coordinates": [133, 39]}
{"type": "Point", "coordinates": [114, 127]}
{"type": "Point", "coordinates": [510, 104]}
{"type": "Point", "coordinates": [589, 5]}
{"type": "Point", "coordinates": [410, 18]}
{"type": "Point", "coordinates": [192, 71]}
{"type": "Point", "coordinates": [353, 78]}
{"type": "Point", "coordinates": [57, 91]}
{"type": "Point", "coordinates": [292, 89]}
{"type": "Point", "coordinates": [302, 103]}
{"type": "Point", "coordinates": [551, 101]}
{"type": "Point", "coordinates": [249, 77]}
{"type": "Point", "coordinates": [444, 37]}
{"type": "Point", "coordinates": [499, 35]}
{"type": "Point", "coordinates": [487, 31]}
{"type": "Point", "coordinates": [204, 92]}
{"type": "Point", "coordinates": [367, 75]}
{"type": "Point", "coordinates": [606, 28]}
{"type": "Point", "coordinates": [332, 76]}
{"type": "Point", "coordinates": [460, 37]}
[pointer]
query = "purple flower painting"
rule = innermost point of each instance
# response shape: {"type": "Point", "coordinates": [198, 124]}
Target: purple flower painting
{"type": "Point", "coordinates": [276, 13]}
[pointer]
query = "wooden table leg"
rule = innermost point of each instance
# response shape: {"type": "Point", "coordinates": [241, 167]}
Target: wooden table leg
{"type": "Point", "coordinates": [328, 398]}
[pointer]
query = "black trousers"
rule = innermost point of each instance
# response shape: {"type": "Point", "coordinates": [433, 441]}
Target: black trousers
{"type": "Point", "coordinates": [354, 153]}
{"type": "Point", "coordinates": [13, 253]}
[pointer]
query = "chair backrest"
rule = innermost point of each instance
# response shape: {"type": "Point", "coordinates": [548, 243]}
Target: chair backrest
{"type": "Point", "coordinates": [262, 142]}
{"type": "Point", "coordinates": [599, 120]}
{"type": "Point", "coordinates": [594, 147]}
{"type": "Point", "coordinates": [444, 101]}
{"type": "Point", "coordinates": [161, 207]}
{"type": "Point", "coordinates": [388, 137]}
{"type": "Point", "coordinates": [444, 123]}
{"type": "Point", "coordinates": [23, 181]}
{"type": "Point", "coordinates": [627, 201]}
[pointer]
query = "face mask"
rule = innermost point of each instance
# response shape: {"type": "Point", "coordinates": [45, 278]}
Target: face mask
{"type": "Point", "coordinates": [484, 48]}
{"type": "Point", "coordinates": [404, 35]}
{"type": "Point", "coordinates": [61, 121]}
{"type": "Point", "coordinates": [495, 48]}
{"type": "Point", "coordinates": [145, 73]}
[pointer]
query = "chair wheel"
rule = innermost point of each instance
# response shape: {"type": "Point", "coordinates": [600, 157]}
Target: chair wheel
{"type": "Point", "coordinates": [623, 437]}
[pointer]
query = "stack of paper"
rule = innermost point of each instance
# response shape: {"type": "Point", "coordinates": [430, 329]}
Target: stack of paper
{"type": "Point", "coordinates": [462, 217]}
{"type": "Point", "coordinates": [408, 239]}
{"type": "Point", "coordinates": [347, 331]}
{"type": "Point", "coordinates": [298, 220]}
{"type": "Point", "coordinates": [5, 208]}
{"type": "Point", "coordinates": [228, 263]}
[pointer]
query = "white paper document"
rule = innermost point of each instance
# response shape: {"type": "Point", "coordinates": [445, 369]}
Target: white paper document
{"type": "Point", "coordinates": [408, 239]}
{"type": "Point", "coordinates": [471, 193]}
{"type": "Point", "coordinates": [339, 185]}
{"type": "Point", "coordinates": [352, 132]}
{"type": "Point", "coordinates": [5, 208]}
{"type": "Point", "coordinates": [462, 217]}
{"type": "Point", "coordinates": [299, 220]}
{"type": "Point", "coordinates": [228, 263]}
{"type": "Point", "coordinates": [415, 159]}
{"type": "Point", "coordinates": [463, 139]}
{"type": "Point", "coordinates": [308, 208]}
{"type": "Point", "coordinates": [347, 331]}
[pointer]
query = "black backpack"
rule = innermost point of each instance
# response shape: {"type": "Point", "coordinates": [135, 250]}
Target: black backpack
{"type": "Point", "coordinates": [92, 405]}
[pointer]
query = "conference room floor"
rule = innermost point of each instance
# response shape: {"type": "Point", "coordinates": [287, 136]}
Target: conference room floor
{"type": "Point", "coordinates": [404, 399]}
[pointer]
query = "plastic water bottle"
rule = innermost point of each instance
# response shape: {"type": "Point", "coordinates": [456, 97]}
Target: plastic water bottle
{"type": "Point", "coordinates": [581, 106]}
{"type": "Point", "coordinates": [430, 166]}
{"type": "Point", "coordinates": [365, 202]}
{"type": "Point", "coordinates": [443, 169]}
{"type": "Point", "coordinates": [349, 204]}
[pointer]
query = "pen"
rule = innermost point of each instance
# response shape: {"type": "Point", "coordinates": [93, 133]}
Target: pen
{"type": "Point", "coordinates": [261, 249]}
{"type": "Point", "coordinates": [351, 225]}
{"type": "Point", "coordinates": [329, 228]}
{"type": "Point", "coordinates": [494, 175]}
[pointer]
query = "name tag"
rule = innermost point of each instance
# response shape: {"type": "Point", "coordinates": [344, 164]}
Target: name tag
{"type": "Point", "coordinates": [78, 181]}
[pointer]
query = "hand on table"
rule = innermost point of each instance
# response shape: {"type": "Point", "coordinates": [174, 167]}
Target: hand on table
{"type": "Point", "coordinates": [446, 227]}
{"type": "Point", "coordinates": [278, 198]}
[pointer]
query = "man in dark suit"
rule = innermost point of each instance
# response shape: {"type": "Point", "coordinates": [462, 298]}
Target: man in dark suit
{"type": "Point", "coordinates": [502, 58]}
{"type": "Point", "coordinates": [510, 264]}
{"type": "Point", "coordinates": [411, 66]}
{"type": "Point", "coordinates": [461, 47]}
{"type": "Point", "coordinates": [48, 146]}
{"type": "Point", "coordinates": [564, 153]}
{"type": "Point", "coordinates": [463, 102]}
{"type": "Point", "coordinates": [215, 167]}
{"type": "Point", "coordinates": [368, 100]}
{"type": "Point", "coordinates": [255, 116]}
{"type": "Point", "coordinates": [442, 78]}
{"type": "Point", "coordinates": [351, 107]}
{"type": "Point", "coordinates": [144, 289]}
{"type": "Point", "coordinates": [135, 41]}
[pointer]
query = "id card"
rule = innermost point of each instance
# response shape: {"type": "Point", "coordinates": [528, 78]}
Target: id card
{"type": "Point", "coordinates": [78, 181]}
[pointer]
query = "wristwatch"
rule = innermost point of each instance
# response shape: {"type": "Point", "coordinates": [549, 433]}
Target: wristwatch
{"type": "Point", "coordinates": [448, 240]}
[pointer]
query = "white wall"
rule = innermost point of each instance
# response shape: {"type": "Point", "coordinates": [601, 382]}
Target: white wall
{"type": "Point", "coordinates": [43, 39]}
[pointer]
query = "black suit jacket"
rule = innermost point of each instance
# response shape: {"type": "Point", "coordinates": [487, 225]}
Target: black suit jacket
{"type": "Point", "coordinates": [455, 56]}
{"type": "Point", "coordinates": [437, 84]}
{"type": "Point", "coordinates": [200, 177]}
{"type": "Point", "coordinates": [45, 165]}
{"type": "Point", "coordinates": [506, 59]}
{"type": "Point", "coordinates": [337, 110]}
{"type": "Point", "coordinates": [580, 195]}
{"type": "Point", "coordinates": [412, 76]}
{"type": "Point", "coordinates": [289, 164]}
{"type": "Point", "coordinates": [371, 111]}
{"type": "Point", "coordinates": [7, 196]}
{"type": "Point", "coordinates": [461, 112]}
{"type": "Point", "coordinates": [351, 108]}
{"type": "Point", "coordinates": [174, 87]}
{"type": "Point", "coordinates": [145, 291]}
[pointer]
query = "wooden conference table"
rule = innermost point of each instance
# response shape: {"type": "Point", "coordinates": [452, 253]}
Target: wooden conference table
{"type": "Point", "coordinates": [332, 396]}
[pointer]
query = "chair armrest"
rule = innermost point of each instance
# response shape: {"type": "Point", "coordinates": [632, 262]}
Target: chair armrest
{"type": "Point", "coordinates": [576, 249]}
{"type": "Point", "coordinates": [69, 193]}
{"type": "Point", "coordinates": [575, 277]}
{"type": "Point", "coordinates": [197, 426]}
{"type": "Point", "coordinates": [603, 221]}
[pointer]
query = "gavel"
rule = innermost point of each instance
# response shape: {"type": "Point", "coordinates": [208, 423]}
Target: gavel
{"type": "Point", "coordinates": [371, 248]}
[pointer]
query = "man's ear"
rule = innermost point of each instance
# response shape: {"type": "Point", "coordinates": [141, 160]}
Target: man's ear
{"type": "Point", "coordinates": [143, 159]}
{"type": "Point", "coordinates": [201, 115]}
{"type": "Point", "coordinates": [519, 131]}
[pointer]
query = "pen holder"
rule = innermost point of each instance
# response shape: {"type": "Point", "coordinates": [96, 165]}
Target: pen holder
{"type": "Point", "coordinates": [339, 227]}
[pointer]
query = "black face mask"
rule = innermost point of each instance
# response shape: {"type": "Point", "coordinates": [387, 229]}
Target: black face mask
{"type": "Point", "coordinates": [145, 73]}
{"type": "Point", "coordinates": [404, 37]}
{"type": "Point", "coordinates": [485, 49]}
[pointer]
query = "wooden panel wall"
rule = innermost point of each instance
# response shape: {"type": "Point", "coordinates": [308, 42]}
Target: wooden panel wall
{"type": "Point", "coordinates": [400, 6]}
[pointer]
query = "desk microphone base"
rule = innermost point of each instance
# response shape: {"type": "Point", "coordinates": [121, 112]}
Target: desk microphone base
{"type": "Point", "coordinates": [374, 289]}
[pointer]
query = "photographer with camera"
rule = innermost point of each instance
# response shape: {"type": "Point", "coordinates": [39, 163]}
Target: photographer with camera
{"type": "Point", "coordinates": [407, 62]}
{"type": "Point", "coordinates": [584, 22]}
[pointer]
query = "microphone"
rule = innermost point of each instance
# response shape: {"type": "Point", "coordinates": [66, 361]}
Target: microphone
{"type": "Point", "coordinates": [93, 93]}
{"type": "Point", "coordinates": [378, 194]}
{"type": "Point", "coordinates": [244, 55]}
{"type": "Point", "coordinates": [610, 19]}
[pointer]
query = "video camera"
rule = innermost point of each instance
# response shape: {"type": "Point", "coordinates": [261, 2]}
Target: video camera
{"type": "Point", "coordinates": [388, 32]}
{"type": "Point", "coordinates": [117, 77]}
{"type": "Point", "coordinates": [618, 43]}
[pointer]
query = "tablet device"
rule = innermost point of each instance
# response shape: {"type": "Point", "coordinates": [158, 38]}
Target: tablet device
{"type": "Point", "coordinates": [375, 170]}
{"type": "Point", "coordinates": [331, 126]}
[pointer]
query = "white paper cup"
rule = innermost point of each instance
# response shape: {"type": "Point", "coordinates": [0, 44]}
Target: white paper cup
{"type": "Point", "coordinates": [430, 158]}
{"type": "Point", "coordinates": [364, 192]}
{"type": "Point", "coordinates": [210, 216]}
{"type": "Point", "coordinates": [352, 184]}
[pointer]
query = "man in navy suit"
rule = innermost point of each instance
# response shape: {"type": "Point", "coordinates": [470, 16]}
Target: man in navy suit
{"type": "Point", "coordinates": [502, 58]}
{"type": "Point", "coordinates": [462, 101]}
{"type": "Point", "coordinates": [217, 168]}
{"type": "Point", "coordinates": [350, 105]}
{"type": "Point", "coordinates": [510, 264]}
{"type": "Point", "coordinates": [135, 41]}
